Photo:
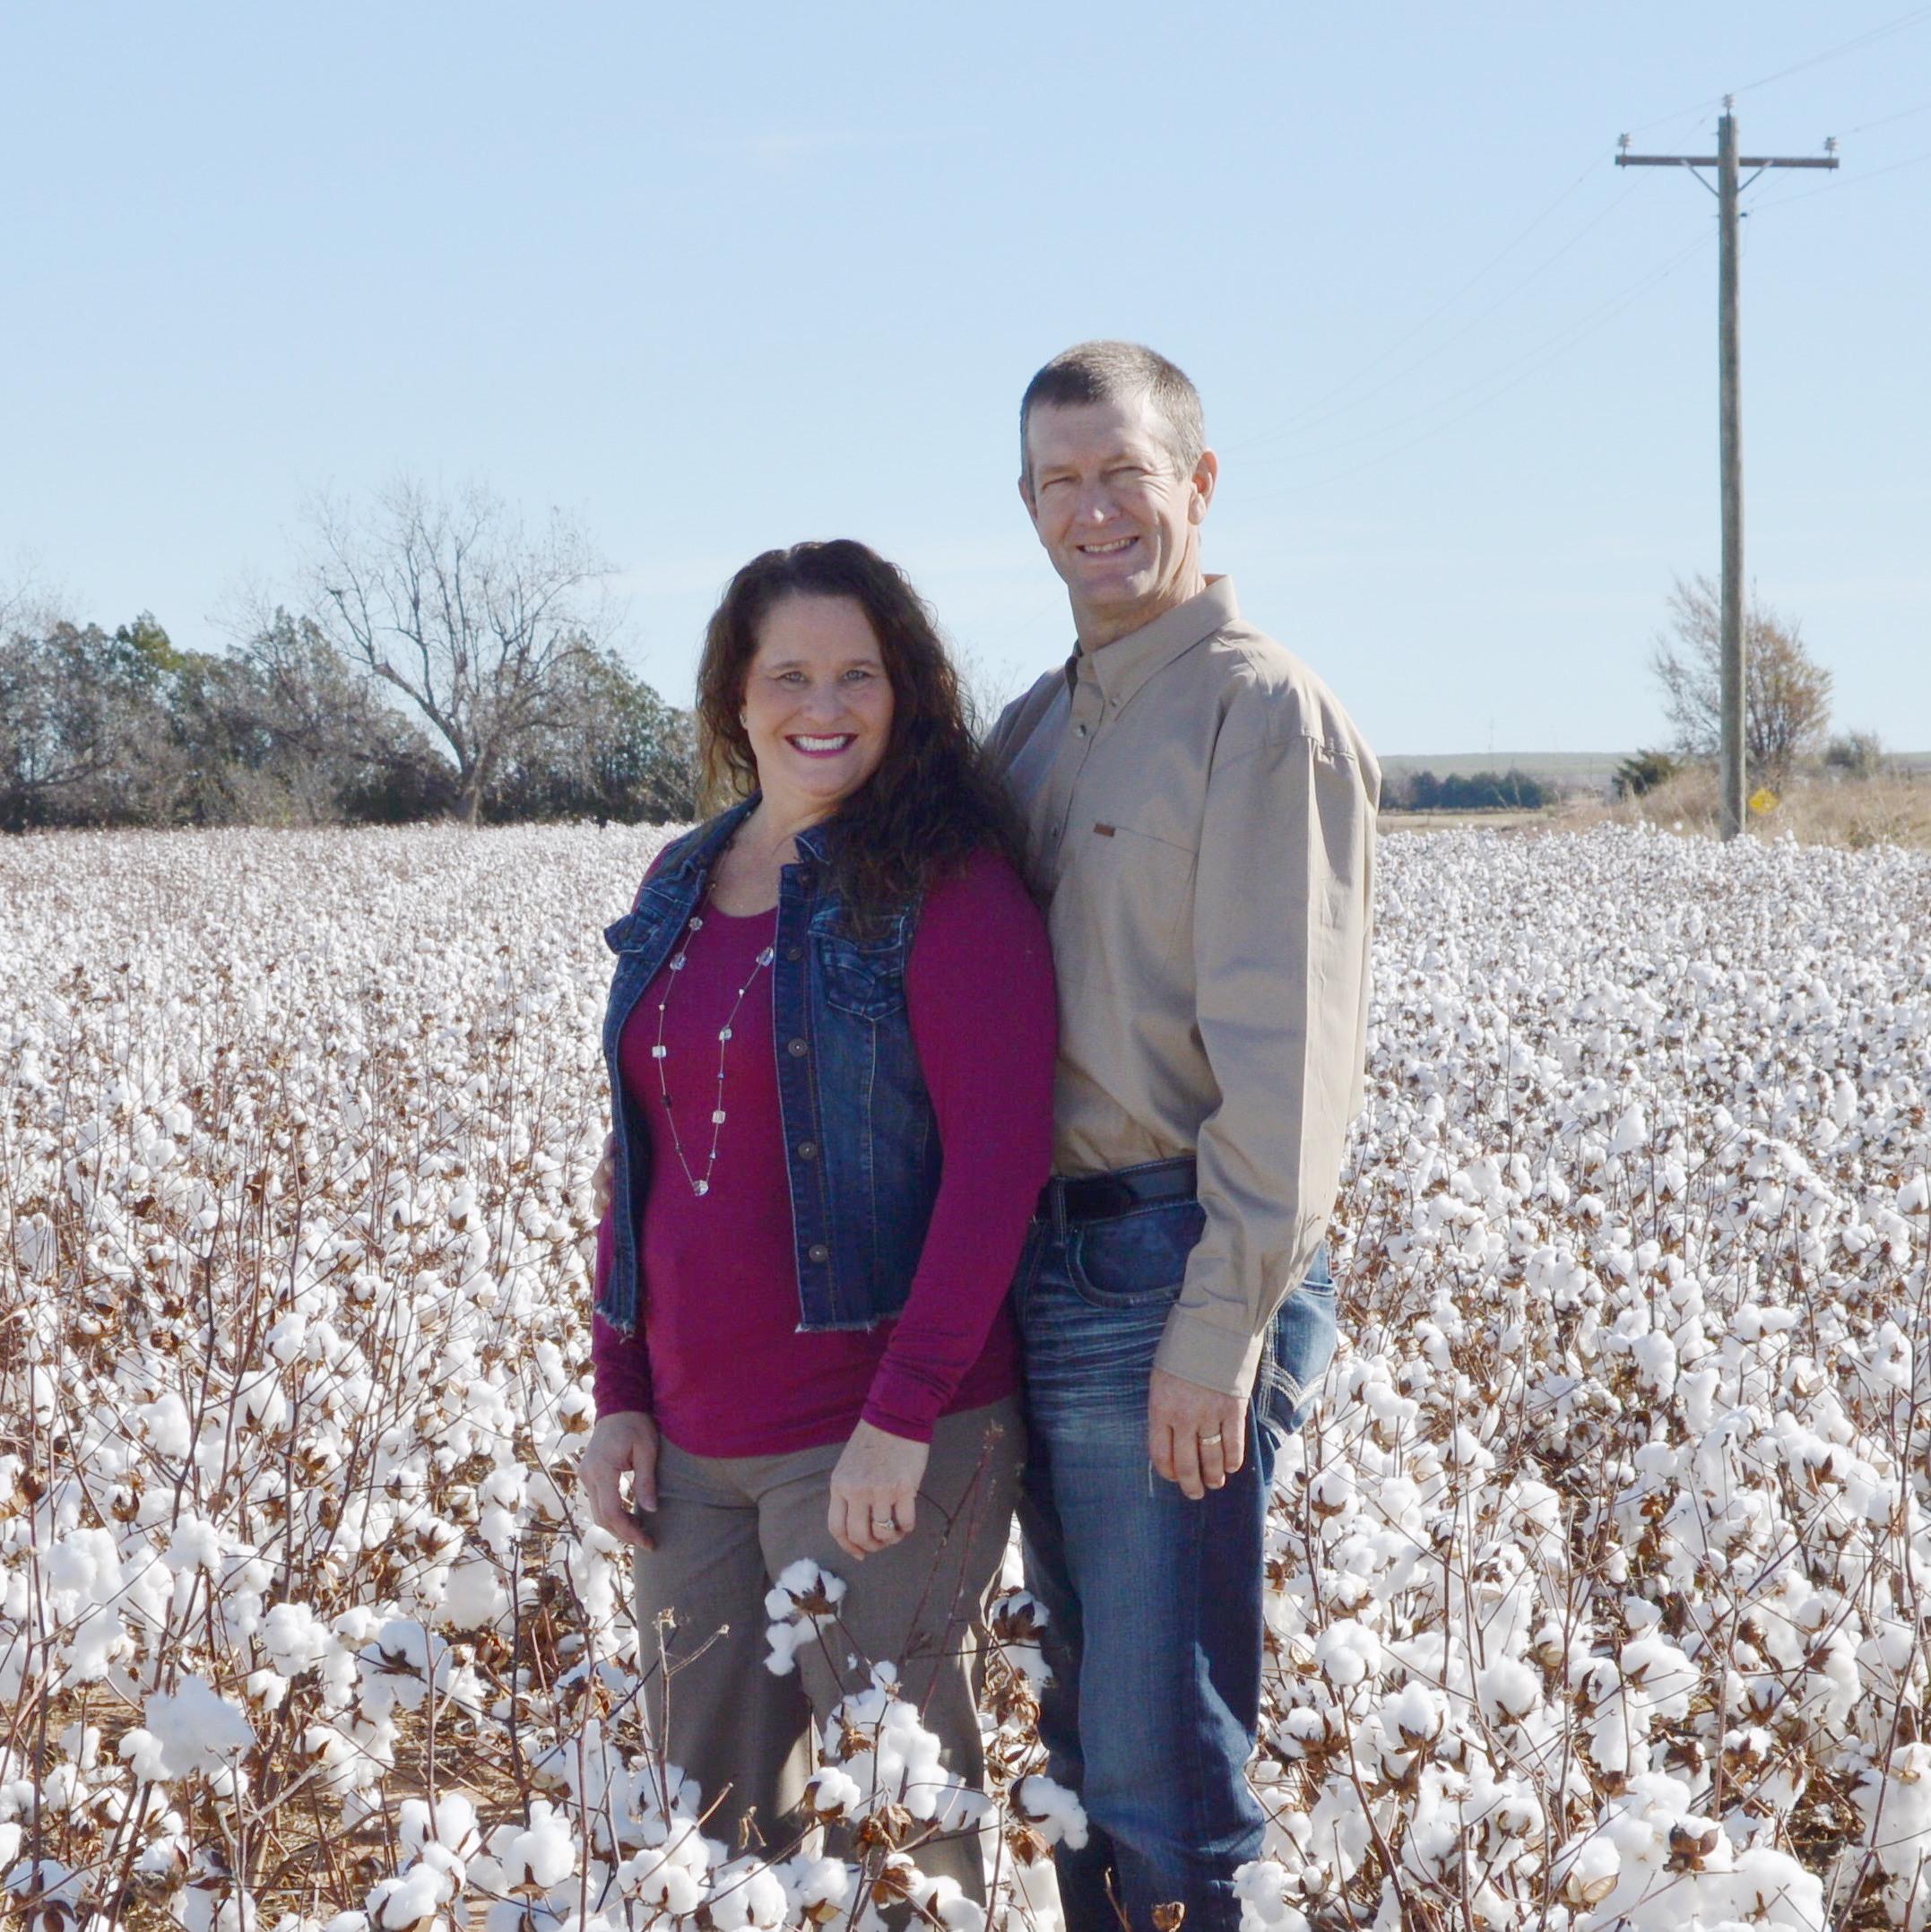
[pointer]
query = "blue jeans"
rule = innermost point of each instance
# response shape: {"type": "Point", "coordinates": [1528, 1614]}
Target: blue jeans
{"type": "Point", "coordinates": [1155, 1631]}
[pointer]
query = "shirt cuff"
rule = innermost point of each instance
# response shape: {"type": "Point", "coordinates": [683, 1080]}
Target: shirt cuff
{"type": "Point", "coordinates": [900, 1404]}
{"type": "Point", "coordinates": [1215, 1357]}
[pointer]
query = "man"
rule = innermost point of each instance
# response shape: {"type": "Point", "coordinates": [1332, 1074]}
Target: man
{"type": "Point", "coordinates": [1200, 814]}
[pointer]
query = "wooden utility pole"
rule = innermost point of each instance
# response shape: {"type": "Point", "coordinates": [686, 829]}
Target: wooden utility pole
{"type": "Point", "coordinates": [1729, 420]}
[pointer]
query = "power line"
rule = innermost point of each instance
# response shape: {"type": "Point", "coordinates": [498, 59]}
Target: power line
{"type": "Point", "coordinates": [1857, 41]}
{"type": "Point", "coordinates": [1848, 181]}
{"type": "Point", "coordinates": [1312, 416]}
{"type": "Point", "coordinates": [1884, 120]}
{"type": "Point", "coordinates": [1434, 314]}
{"type": "Point", "coordinates": [1846, 47]}
{"type": "Point", "coordinates": [1557, 340]}
{"type": "Point", "coordinates": [1555, 347]}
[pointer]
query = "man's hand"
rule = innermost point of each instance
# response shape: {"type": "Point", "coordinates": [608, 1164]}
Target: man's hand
{"type": "Point", "coordinates": [874, 1490]}
{"type": "Point", "coordinates": [604, 1179]}
{"type": "Point", "coordinates": [1197, 1437]}
{"type": "Point", "coordinates": [619, 1446]}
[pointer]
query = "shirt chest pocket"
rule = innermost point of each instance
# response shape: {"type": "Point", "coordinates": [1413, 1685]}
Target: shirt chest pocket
{"type": "Point", "coordinates": [1132, 894]}
{"type": "Point", "coordinates": [866, 980]}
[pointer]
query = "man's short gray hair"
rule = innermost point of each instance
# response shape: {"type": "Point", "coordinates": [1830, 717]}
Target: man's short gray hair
{"type": "Point", "coordinates": [1111, 372]}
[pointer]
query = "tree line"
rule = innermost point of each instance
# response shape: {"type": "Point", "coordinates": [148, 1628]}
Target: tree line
{"type": "Point", "coordinates": [444, 660]}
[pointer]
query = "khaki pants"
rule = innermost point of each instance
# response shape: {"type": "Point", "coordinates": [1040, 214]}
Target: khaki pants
{"type": "Point", "coordinates": [726, 1526]}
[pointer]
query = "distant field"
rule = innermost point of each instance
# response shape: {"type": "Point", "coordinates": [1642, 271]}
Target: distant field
{"type": "Point", "coordinates": [1580, 771]}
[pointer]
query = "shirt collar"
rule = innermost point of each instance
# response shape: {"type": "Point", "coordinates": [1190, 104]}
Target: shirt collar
{"type": "Point", "coordinates": [1122, 666]}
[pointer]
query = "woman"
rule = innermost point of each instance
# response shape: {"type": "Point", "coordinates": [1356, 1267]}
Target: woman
{"type": "Point", "coordinates": [831, 1041]}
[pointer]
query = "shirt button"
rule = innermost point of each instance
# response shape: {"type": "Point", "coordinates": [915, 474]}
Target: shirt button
{"type": "Point", "coordinates": [807, 1150]}
{"type": "Point", "coordinates": [1082, 729]}
{"type": "Point", "coordinates": [817, 1251]}
{"type": "Point", "coordinates": [795, 1048]}
{"type": "Point", "coordinates": [794, 952]}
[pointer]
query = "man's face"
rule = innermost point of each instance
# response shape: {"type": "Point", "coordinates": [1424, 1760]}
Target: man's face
{"type": "Point", "coordinates": [1120, 522]}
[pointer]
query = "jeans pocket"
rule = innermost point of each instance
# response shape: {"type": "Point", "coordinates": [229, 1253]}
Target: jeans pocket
{"type": "Point", "coordinates": [1134, 1260]}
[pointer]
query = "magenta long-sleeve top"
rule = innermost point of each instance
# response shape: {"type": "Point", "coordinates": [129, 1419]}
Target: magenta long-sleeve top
{"type": "Point", "coordinates": [717, 1358]}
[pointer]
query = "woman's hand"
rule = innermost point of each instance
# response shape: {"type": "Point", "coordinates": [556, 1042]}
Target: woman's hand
{"type": "Point", "coordinates": [621, 1445]}
{"type": "Point", "coordinates": [605, 1180]}
{"type": "Point", "coordinates": [874, 1490]}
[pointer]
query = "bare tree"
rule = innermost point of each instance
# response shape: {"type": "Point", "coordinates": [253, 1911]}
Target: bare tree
{"type": "Point", "coordinates": [478, 621]}
{"type": "Point", "coordinates": [1787, 693]}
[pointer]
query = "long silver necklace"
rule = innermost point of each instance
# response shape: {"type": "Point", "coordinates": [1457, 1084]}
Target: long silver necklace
{"type": "Point", "coordinates": [700, 1184]}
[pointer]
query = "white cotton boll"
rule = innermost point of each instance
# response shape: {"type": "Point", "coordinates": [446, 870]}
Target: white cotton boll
{"type": "Point", "coordinates": [940, 1899]}
{"type": "Point", "coordinates": [409, 1900]}
{"type": "Point", "coordinates": [746, 1894]}
{"type": "Point", "coordinates": [452, 1825]}
{"type": "Point", "coordinates": [1333, 1491]}
{"type": "Point", "coordinates": [1665, 1675]}
{"type": "Point", "coordinates": [1915, 1196]}
{"type": "Point", "coordinates": [816, 1887]}
{"type": "Point", "coordinates": [1768, 1887]}
{"type": "Point", "coordinates": [803, 1588]}
{"type": "Point", "coordinates": [296, 1638]}
{"type": "Point", "coordinates": [82, 1745]}
{"type": "Point", "coordinates": [399, 1668]}
{"type": "Point", "coordinates": [142, 1752]}
{"type": "Point", "coordinates": [194, 1544]}
{"type": "Point", "coordinates": [196, 1727]}
{"type": "Point", "coordinates": [1052, 1811]}
{"type": "Point", "coordinates": [831, 1792]}
{"type": "Point", "coordinates": [669, 1878]}
{"type": "Point", "coordinates": [1632, 1131]}
{"type": "Point", "coordinates": [1414, 1716]}
{"type": "Point", "coordinates": [1265, 1891]}
{"type": "Point", "coordinates": [163, 1424]}
{"type": "Point", "coordinates": [1348, 1653]}
{"type": "Point", "coordinates": [83, 1564]}
{"type": "Point", "coordinates": [474, 1597]}
{"type": "Point", "coordinates": [1510, 1690]}
{"type": "Point", "coordinates": [265, 1689]}
{"type": "Point", "coordinates": [284, 1341]}
{"type": "Point", "coordinates": [540, 1854]}
{"type": "Point", "coordinates": [786, 1640]}
{"type": "Point", "coordinates": [1655, 1356]}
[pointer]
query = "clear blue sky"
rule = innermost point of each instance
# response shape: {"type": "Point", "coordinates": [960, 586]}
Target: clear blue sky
{"type": "Point", "coordinates": [719, 278]}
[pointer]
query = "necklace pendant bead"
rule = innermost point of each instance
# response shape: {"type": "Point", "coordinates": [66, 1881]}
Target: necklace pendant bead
{"type": "Point", "coordinates": [724, 1032]}
{"type": "Point", "coordinates": [717, 1117]}
{"type": "Point", "coordinates": [766, 956]}
{"type": "Point", "coordinates": [677, 963]}
{"type": "Point", "coordinates": [700, 1187]}
{"type": "Point", "coordinates": [660, 1052]}
{"type": "Point", "coordinates": [696, 924]}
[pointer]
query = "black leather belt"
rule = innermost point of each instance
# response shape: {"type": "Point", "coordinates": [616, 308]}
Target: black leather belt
{"type": "Point", "coordinates": [1098, 1197]}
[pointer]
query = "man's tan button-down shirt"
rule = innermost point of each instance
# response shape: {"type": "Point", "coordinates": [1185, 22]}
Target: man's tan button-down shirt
{"type": "Point", "coordinates": [1200, 813]}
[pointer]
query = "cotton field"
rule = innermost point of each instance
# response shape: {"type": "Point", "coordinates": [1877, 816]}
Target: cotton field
{"type": "Point", "coordinates": [1598, 1584]}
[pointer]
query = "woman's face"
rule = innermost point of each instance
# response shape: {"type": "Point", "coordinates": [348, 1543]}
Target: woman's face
{"type": "Point", "coordinates": [817, 704]}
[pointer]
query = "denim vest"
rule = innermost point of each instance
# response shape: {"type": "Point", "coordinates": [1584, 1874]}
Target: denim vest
{"type": "Point", "coordinates": [861, 1140]}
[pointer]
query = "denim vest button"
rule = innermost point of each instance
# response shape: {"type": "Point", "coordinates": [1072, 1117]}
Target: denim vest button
{"type": "Point", "coordinates": [794, 952]}
{"type": "Point", "coordinates": [819, 1252]}
{"type": "Point", "coordinates": [807, 1150]}
{"type": "Point", "coordinates": [796, 1049]}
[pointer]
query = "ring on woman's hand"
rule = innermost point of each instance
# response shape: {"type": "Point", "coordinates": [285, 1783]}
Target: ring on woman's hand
{"type": "Point", "coordinates": [886, 1521]}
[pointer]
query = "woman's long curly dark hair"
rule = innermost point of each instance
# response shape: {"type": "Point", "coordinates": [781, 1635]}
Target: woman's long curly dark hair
{"type": "Point", "coordinates": [933, 801]}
